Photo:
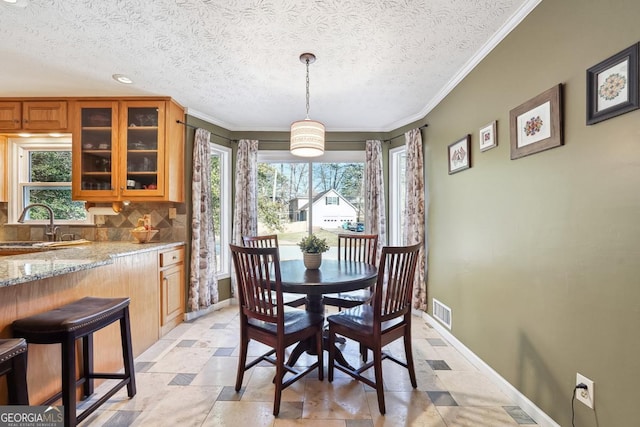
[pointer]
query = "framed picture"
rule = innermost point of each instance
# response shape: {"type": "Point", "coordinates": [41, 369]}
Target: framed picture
{"type": "Point", "coordinates": [612, 86]}
{"type": "Point", "coordinates": [487, 137]}
{"type": "Point", "coordinates": [536, 125]}
{"type": "Point", "coordinates": [460, 155]}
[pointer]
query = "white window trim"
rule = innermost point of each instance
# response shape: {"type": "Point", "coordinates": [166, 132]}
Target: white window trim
{"type": "Point", "coordinates": [17, 175]}
{"type": "Point", "coordinates": [224, 269]}
{"type": "Point", "coordinates": [395, 209]}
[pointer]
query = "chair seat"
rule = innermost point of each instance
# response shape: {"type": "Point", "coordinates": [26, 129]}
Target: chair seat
{"type": "Point", "coordinates": [360, 320]}
{"type": "Point", "coordinates": [347, 299]}
{"type": "Point", "coordinates": [294, 321]}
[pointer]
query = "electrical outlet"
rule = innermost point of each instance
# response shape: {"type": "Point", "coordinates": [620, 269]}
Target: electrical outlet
{"type": "Point", "coordinates": [585, 396]}
{"type": "Point", "coordinates": [172, 213]}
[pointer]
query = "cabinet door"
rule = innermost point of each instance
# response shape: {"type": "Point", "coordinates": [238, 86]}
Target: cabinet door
{"type": "Point", "coordinates": [44, 115]}
{"type": "Point", "coordinates": [172, 295]}
{"type": "Point", "coordinates": [4, 173]}
{"type": "Point", "coordinates": [95, 149]}
{"type": "Point", "coordinates": [10, 115]}
{"type": "Point", "coordinates": [142, 148]}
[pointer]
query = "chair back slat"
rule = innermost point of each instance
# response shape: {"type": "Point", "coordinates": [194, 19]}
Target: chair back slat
{"type": "Point", "coordinates": [393, 291]}
{"type": "Point", "coordinates": [267, 241]}
{"type": "Point", "coordinates": [257, 291]}
{"type": "Point", "coordinates": [358, 247]}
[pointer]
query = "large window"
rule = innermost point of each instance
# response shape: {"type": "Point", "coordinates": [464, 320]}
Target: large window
{"type": "Point", "coordinates": [221, 204]}
{"type": "Point", "coordinates": [397, 195]}
{"type": "Point", "coordinates": [42, 174]}
{"type": "Point", "coordinates": [296, 196]}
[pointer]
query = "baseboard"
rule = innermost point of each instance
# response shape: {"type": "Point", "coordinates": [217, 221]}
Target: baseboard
{"type": "Point", "coordinates": [214, 307]}
{"type": "Point", "coordinates": [521, 400]}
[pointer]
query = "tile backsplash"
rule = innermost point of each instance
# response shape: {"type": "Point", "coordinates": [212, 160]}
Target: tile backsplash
{"type": "Point", "coordinates": [111, 228]}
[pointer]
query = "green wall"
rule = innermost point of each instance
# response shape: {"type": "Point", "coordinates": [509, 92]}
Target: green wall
{"type": "Point", "coordinates": [538, 257]}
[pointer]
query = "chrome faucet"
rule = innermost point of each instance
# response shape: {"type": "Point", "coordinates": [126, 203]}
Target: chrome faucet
{"type": "Point", "coordinates": [51, 231]}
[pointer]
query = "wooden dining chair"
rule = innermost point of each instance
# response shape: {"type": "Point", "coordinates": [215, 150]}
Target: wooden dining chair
{"type": "Point", "coordinates": [271, 241]}
{"type": "Point", "coordinates": [360, 248]}
{"type": "Point", "coordinates": [268, 323]}
{"type": "Point", "coordinates": [386, 319]}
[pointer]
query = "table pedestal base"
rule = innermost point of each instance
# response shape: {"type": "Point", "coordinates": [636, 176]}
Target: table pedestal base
{"type": "Point", "coordinates": [315, 305]}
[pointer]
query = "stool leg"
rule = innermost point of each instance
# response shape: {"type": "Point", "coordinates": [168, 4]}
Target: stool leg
{"type": "Point", "coordinates": [69, 380]}
{"type": "Point", "coordinates": [17, 380]}
{"type": "Point", "coordinates": [87, 364]}
{"type": "Point", "coordinates": [127, 352]}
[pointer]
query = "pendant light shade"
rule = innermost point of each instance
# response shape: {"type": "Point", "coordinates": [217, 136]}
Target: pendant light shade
{"type": "Point", "coordinates": [307, 136]}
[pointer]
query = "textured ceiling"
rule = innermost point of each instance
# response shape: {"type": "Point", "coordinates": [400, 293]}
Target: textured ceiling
{"type": "Point", "coordinates": [381, 63]}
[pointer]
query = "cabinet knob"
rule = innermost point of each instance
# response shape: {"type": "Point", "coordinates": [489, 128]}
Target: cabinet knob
{"type": "Point", "coordinates": [121, 188]}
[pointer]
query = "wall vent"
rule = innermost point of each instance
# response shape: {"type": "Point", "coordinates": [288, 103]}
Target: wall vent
{"type": "Point", "coordinates": [442, 313]}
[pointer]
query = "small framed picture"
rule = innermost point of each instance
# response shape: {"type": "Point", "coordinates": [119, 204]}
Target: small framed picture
{"type": "Point", "coordinates": [487, 137]}
{"type": "Point", "coordinates": [536, 125]}
{"type": "Point", "coordinates": [612, 86]}
{"type": "Point", "coordinates": [460, 155]}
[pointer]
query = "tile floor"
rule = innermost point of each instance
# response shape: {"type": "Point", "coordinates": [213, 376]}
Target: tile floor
{"type": "Point", "coordinates": [187, 379]}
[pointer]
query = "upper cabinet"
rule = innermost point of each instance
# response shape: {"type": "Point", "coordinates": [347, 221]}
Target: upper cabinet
{"type": "Point", "coordinates": [128, 150]}
{"type": "Point", "coordinates": [3, 168]}
{"type": "Point", "coordinates": [41, 115]}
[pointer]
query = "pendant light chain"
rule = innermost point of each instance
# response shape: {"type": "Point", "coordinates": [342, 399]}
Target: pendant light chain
{"type": "Point", "coordinates": [307, 88]}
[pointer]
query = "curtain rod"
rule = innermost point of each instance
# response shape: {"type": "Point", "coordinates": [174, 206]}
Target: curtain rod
{"type": "Point", "coordinates": [398, 136]}
{"type": "Point", "coordinates": [196, 127]}
{"type": "Point", "coordinates": [281, 140]}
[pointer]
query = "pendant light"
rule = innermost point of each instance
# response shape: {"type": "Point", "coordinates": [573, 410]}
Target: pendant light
{"type": "Point", "coordinates": [307, 136]}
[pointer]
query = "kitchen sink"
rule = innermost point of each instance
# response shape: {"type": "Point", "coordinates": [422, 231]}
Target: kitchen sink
{"type": "Point", "coordinates": [22, 247]}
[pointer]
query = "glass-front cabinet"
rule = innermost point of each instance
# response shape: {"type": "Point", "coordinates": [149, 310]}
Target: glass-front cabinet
{"type": "Point", "coordinates": [97, 143]}
{"type": "Point", "coordinates": [120, 150]}
{"type": "Point", "coordinates": [142, 150]}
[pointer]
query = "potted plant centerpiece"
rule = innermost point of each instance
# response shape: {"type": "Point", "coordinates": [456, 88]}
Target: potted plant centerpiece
{"type": "Point", "coordinates": [312, 248]}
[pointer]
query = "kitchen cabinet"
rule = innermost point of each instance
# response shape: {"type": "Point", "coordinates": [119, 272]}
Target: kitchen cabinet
{"type": "Point", "coordinates": [128, 150]}
{"type": "Point", "coordinates": [171, 288]}
{"type": "Point", "coordinates": [35, 115]}
{"type": "Point", "coordinates": [4, 173]}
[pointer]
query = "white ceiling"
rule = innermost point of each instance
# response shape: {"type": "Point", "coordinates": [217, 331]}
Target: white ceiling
{"type": "Point", "coordinates": [381, 63]}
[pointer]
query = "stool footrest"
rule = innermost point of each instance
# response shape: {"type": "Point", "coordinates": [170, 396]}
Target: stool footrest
{"type": "Point", "coordinates": [108, 376]}
{"type": "Point", "coordinates": [95, 405]}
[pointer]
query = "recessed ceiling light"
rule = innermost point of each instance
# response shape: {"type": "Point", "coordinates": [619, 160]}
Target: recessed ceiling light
{"type": "Point", "coordinates": [121, 78]}
{"type": "Point", "coordinates": [17, 3]}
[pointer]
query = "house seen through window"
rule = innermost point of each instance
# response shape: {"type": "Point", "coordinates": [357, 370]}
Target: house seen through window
{"type": "Point", "coordinates": [297, 197]}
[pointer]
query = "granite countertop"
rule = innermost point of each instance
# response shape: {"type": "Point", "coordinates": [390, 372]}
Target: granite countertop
{"type": "Point", "coordinates": [16, 269]}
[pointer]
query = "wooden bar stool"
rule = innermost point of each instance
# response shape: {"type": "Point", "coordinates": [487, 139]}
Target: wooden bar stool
{"type": "Point", "coordinates": [66, 324]}
{"type": "Point", "coordinates": [13, 364]}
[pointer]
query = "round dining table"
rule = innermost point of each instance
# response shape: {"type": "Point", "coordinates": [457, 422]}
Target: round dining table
{"type": "Point", "coordinates": [333, 276]}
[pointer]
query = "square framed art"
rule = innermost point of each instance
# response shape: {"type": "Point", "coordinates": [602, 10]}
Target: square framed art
{"type": "Point", "coordinates": [487, 136]}
{"type": "Point", "coordinates": [460, 155]}
{"type": "Point", "coordinates": [536, 125]}
{"type": "Point", "coordinates": [612, 86]}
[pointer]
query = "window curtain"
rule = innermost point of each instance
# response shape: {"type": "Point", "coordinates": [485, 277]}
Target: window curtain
{"type": "Point", "coordinates": [414, 212]}
{"type": "Point", "coordinates": [245, 216]}
{"type": "Point", "coordinates": [374, 193]}
{"type": "Point", "coordinates": [203, 282]}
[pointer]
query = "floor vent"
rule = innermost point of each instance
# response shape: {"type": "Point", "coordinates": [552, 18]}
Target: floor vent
{"type": "Point", "coordinates": [442, 313]}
